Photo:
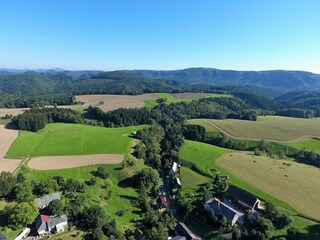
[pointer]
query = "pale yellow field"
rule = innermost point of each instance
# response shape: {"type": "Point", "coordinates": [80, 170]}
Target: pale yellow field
{"type": "Point", "coordinates": [62, 162]}
{"type": "Point", "coordinates": [7, 136]}
{"type": "Point", "coordinates": [298, 184]}
{"type": "Point", "coordinates": [112, 102]}
{"type": "Point", "coordinates": [270, 128]}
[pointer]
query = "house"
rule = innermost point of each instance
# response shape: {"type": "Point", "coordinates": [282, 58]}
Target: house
{"type": "Point", "coordinates": [23, 234]}
{"type": "Point", "coordinates": [45, 200]}
{"type": "Point", "coordinates": [175, 168]}
{"type": "Point", "coordinates": [218, 208]}
{"type": "Point", "coordinates": [159, 204]}
{"type": "Point", "coordinates": [46, 225]}
{"type": "Point", "coordinates": [242, 197]}
{"type": "Point", "coordinates": [182, 230]}
{"type": "Point", "coordinates": [177, 183]}
{"type": "Point", "coordinates": [138, 234]}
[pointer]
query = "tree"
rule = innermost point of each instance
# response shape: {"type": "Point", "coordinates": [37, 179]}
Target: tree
{"type": "Point", "coordinates": [23, 192]}
{"type": "Point", "coordinates": [102, 173]}
{"type": "Point", "coordinates": [93, 217]}
{"type": "Point", "coordinates": [46, 186]}
{"type": "Point", "coordinates": [20, 178]}
{"type": "Point", "coordinates": [7, 184]}
{"type": "Point", "coordinates": [149, 177]}
{"type": "Point", "coordinates": [293, 234]}
{"type": "Point", "coordinates": [97, 234]}
{"type": "Point", "coordinates": [3, 236]}
{"type": "Point", "coordinates": [24, 213]}
{"type": "Point", "coordinates": [236, 234]}
{"type": "Point", "coordinates": [55, 207]}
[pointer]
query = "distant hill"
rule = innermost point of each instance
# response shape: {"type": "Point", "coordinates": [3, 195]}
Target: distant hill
{"type": "Point", "coordinates": [300, 99]}
{"type": "Point", "coordinates": [283, 81]}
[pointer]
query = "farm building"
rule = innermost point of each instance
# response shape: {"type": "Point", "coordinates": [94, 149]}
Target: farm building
{"type": "Point", "coordinates": [178, 238]}
{"type": "Point", "coordinates": [23, 234]}
{"type": "Point", "coordinates": [46, 225]}
{"type": "Point", "coordinates": [177, 183]}
{"type": "Point", "coordinates": [182, 230]}
{"type": "Point", "coordinates": [242, 197]}
{"type": "Point", "coordinates": [159, 203]}
{"type": "Point", "coordinates": [174, 169]}
{"type": "Point", "coordinates": [218, 208]}
{"type": "Point", "coordinates": [138, 235]}
{"type": "Point", "coordinates": [45, 200]}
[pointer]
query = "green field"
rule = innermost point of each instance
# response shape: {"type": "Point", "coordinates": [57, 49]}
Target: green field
{"type": "Point", "coordinates": [59, 139]}
{"type": "Point", "coordinates": [311, 144]}
{"type": "Point", "coordinates": [120, 199]}
{"type": "Point", "coordinates": [184, 97]}
{"type": "Point", "coordinates": [202, 155]}
{"type": "Point", "coordinates": [192, 180]}
{"type": "Point", "coordinates": [274, 128]}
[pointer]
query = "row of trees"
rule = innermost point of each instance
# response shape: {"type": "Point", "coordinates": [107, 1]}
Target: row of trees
{"type": "Point", "coordinates": [28, 101]}
{"type": "Point", "coordinates": [37, 118]}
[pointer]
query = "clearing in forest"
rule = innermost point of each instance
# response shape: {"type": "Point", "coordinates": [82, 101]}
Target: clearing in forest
{"type": "Point", "coordinates": [61, 139]}
{"type": "Point", "coordinates": [273, 128]}
{"type": "Point", "coordinates": [111, 102]}
{"type": "Point", "coordinates": [296, 183]}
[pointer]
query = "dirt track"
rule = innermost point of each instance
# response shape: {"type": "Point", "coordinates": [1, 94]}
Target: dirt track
{"type": "Point", "coordinates": [112, 102]}
{"type": "Point", "coordinates": [62, 162]}
{"type": "Point", "coordinates": [7, 136]}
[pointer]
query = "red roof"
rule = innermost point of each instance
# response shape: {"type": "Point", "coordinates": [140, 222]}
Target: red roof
{"type": "Point", "coordinates": [163, 201]}
{"type": "Point", "coordinates": [45, 218]}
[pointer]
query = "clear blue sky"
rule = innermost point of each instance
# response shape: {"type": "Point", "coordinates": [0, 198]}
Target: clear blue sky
{"type": "Point", "coordinates": [164, 34]}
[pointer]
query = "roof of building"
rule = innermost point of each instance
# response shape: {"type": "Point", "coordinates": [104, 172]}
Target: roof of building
{"type": "Point", "coordinates": [138, 234]}
{"type": "Point", "coordinates": [178, 238]}
{"type": "Point", "coordinates": [242, 195]}
{"type": "Point", "coordinates": [45, 200]}
{"type": "Point", "coordinates": [183, 230]}
{"type": "Point", "coordinates": [222, 209]}
{"type": "Point", "coordinates": [41, 222]}
{"type": "Point", "coordinates": [178, 181]}
{"type": "Point", "coordinates": [57, 220]}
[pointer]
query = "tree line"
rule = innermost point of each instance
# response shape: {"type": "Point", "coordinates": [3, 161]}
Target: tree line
{"type": "Point", "coordinates": [37, 118]}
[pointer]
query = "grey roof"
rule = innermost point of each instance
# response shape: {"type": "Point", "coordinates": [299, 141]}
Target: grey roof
{"type": "Point", "coordinates": [56, 220]}
{"type": "Point", "coordinates": [179, 238]}
{"type": "Point", "coordinates": [45, 200]}
{"type": "Point", "coordinates": [183, 230]}
{"type": "Point", "coordinates": [242, 195]}
{"type": "Point", "coordinates": [222, 209]}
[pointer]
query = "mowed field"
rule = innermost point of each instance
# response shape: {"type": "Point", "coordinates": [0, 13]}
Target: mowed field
{"type": "Point", "coordinates": [7, 136]}
{"type": "Point", "coordinates": [112, 102]}
{"type": "Point", "coordinates": [274, 128]}
{"type": "Point", "coordinates": [297, 184]}
{"type": "Point", "coordinates": [62, 162]}
{"type": "Point", "coordinates": [60, 139]}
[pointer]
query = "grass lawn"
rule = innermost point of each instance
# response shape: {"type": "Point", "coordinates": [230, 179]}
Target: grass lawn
{"type": "Point", "coordinates": [205, 123]}
{"type": "Point", "coordinates": [181, 97]}
{"type": "Point", "coordinates": [75, 234]}
{"type": "Point", "coordinates": [311, 144]}
{"type": "Point", "coordinates": [192, 180]}
{"type": "Point", "coordinates": [120, 199]}
{"type": "Point", "coordinates": [202, 155]}
{"type": "Point", "coordinates": [59, 139]}
{"type": "Point", "coordinates": [270, 128]}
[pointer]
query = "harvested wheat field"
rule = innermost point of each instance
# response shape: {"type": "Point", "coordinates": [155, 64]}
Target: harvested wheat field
{"type": "Point", "coordinates": [12, 111]}
{"type": "Point", "coordinates": [270, 128]}
{"type": "Point", "coordinates": [7, 136]}
{"type": "Point", "coordinates": [112, 102]}
{"type": "Point", "coordinates": [296, 183]}
{"type": "Point", "coordinates": [62, 162]}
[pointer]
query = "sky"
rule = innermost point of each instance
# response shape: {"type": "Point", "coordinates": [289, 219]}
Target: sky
{"type": "Point", "coordinates": [164, 34]}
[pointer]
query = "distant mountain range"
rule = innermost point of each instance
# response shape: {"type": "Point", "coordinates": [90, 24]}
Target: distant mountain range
{"type": "Point", "coordinates": [267, 83]}
{"type": "Point", "coordinates": [282, 80]}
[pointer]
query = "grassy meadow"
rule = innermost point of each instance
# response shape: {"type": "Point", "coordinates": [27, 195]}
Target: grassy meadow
{"type": "Point", "coordinates": [121, 196]}
{"type": "Point", "coordinates": [181, 97]}
{"type": "Point", "coordinates": [274, 128]}
{"type": "Point", "coordinates": [310, 144]}
{"type": "Point", "coordinates": [59, 139]}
